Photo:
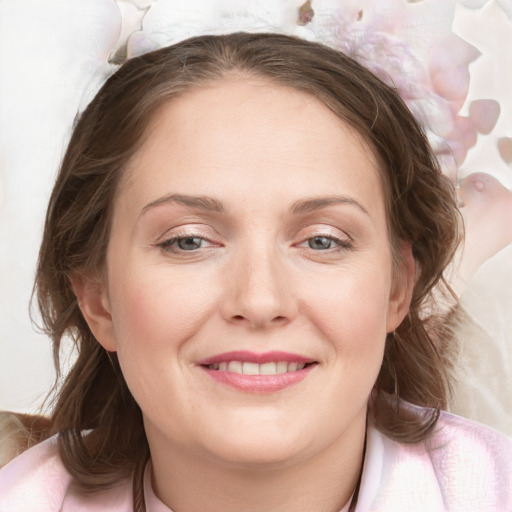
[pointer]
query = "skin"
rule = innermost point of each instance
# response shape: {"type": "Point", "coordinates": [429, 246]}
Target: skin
{"type": "Point", "coordinates": [255, 282]}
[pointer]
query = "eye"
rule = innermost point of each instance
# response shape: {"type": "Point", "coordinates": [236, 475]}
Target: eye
{"type": "Point", "coordinates": [189, 243]}
{"type": "Point", "coordinates": [326, 243]}
{"type": "Point", "coordinates": [321, 243]}
{"type": "Point", "coordinates": [183, 243]}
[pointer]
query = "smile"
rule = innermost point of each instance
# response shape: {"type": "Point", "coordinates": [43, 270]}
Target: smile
{"type": "Point", "coordinates": [257, 373]}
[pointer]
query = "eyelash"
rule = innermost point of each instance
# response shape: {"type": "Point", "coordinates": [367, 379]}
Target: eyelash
{"type": "Point", "coordinates": [169, 245]}
{"type": "Point", "coordinates": [343, 244]}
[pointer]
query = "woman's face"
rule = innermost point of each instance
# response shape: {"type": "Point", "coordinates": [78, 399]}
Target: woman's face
{"type": "Point", "coordinates": [249, 283]}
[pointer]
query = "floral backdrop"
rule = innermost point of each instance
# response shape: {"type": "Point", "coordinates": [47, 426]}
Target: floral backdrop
{"type": "Point", "coordinates": [451, 61]}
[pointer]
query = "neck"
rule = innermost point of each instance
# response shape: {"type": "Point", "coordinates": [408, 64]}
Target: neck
{"type": "Point", "coordinates": [324, 482]}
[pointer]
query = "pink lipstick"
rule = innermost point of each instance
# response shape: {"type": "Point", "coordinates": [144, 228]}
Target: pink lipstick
{"type": "Point", "coordinates": [257, 372]}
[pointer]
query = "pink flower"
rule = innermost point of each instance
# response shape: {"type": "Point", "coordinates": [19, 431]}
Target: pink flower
{"type": "Point", "coordinates": [411, 46]}
{"type": "Point", "coordinates": [487, 212]}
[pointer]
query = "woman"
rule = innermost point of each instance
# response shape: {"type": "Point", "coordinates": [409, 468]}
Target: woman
{"type": "Point", "coordinates": [243, 241]}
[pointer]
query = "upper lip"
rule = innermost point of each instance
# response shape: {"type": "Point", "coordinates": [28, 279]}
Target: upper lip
{"type": "Point", "coordinates": [254, 357]}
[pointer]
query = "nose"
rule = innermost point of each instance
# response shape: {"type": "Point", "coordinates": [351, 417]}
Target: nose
{"type": "Point", "coordinates": [258, 291]}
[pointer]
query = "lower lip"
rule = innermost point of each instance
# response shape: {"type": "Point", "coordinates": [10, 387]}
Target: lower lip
{"type": "Point", "coordinates": [259, 383]}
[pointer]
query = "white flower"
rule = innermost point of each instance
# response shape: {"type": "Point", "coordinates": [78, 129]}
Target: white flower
{"type": "Point", "coordinates": [171, 21]}
{"type": "Point", "coordinates": [409, 45]}
{"type": "Point", "coordinates": [506, 5]}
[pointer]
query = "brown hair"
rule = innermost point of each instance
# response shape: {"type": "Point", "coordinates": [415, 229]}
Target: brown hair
{"type": "Point", "coordinates": [420, 204]}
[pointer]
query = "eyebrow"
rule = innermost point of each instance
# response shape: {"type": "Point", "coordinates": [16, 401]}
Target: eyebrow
{"type": "Point", "coordinates": [200, 202]}
{"type": "Point", "coordinates": [317, 203]}
{"type": "Point", "coordinates": [214, 205]}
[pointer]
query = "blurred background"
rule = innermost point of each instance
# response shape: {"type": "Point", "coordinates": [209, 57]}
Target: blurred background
{"type": "Point", "coordinates": [450, 59]}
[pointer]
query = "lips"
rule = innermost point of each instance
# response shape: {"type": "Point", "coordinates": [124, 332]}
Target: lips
{"type": "Point", "coordinates": [257, 372]}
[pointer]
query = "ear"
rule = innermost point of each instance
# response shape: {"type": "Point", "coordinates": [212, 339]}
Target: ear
{"type": "Point", "coordinates": [94, 303]}
{"type": "Point", "coordinates": [404, 278]}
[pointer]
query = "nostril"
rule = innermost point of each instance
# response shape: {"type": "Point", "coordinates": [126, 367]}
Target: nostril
{"type": "Point", "coordinates": [275, 320]}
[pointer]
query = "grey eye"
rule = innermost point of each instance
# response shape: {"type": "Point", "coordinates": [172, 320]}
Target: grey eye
{"type": "Point", "coordinates": [321, 243]}
{"type": "Point", "coordinates": [189, 243]}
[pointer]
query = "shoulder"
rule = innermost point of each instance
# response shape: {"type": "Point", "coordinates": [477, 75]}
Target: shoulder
{"type": "Point", "coordinates": [36, 476]}
{"type": "Point", "coordinates": [455, 432]}
{"type": "Point", "coordinates": [462, 467]}
{"type": "Point", "coordinates": [37, 481]}
{"type": "Point", "coordinates": [473, 463]}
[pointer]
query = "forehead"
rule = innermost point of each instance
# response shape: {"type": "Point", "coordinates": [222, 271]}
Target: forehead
{"type": "Point", "coordinates": [250, 132]}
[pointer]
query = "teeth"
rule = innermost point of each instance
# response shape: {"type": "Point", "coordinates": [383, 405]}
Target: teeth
{"type": "Point", "coordinates": [282, 367]}
{"type": "Point", "coordinates": [235, 367]}
{"type": "Point", "coordinates": [251, 369]}
{"type": "Point", "coordinates": [247, 368]}
{"type": "Point", "coordinates": [268, 369]}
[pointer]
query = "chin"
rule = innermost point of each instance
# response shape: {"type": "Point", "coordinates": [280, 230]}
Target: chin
{"type": "Point", "coordinates": [252, 449]}
{"type": "Point", "coordinates": [262, 455]}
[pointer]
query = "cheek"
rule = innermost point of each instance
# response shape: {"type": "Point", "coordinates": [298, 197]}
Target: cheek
{"type": "Point", "coordinates": [158, 308]}
{"type": "Point", "coordinates": [349, 307]}
{"type": "Point", "coordinates": [154, 318]}
{"type": "Point", "coordinates": [347, 313]}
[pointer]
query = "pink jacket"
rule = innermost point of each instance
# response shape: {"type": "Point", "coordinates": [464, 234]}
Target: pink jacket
{"type": "Point", "coordinates": [463, 467]}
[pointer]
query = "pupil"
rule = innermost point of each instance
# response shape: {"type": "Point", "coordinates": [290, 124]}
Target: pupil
{"type": "Point", "coordinates": [320, 242]}
{"type": "Point", "coordinates": [189, 243]}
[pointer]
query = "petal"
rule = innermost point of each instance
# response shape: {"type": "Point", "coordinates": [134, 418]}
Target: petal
{"type": "Point", "coordinates": [487, 216]}
{"type": "Point", "coordinates": [505, 149]}
{"type": "Point", "coordinates": [484, 114]}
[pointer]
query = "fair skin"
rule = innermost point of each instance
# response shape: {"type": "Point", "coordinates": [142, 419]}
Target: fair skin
{"type": "Point", "coordinates": [289, 253]}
